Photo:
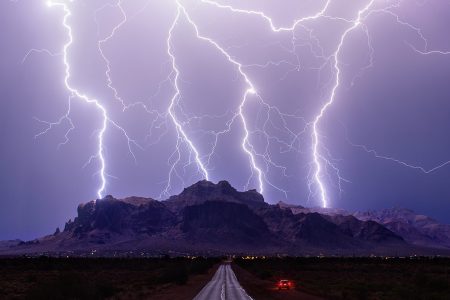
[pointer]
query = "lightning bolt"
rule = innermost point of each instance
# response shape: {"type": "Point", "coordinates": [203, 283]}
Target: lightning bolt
{"type": "Point", "coordinates": [362, 14]}
{"type": "Point", "coordinates": [76, 93]}
{"type": "Point", "coordinates": [316, 154]}
{"type": "Point", "coordinates": [246, 146]}
{"type": "Point", "coordinates": [181, 134]}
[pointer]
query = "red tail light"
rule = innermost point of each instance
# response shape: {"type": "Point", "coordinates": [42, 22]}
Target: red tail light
{"type": "Point", "coordinates": [284, 283]}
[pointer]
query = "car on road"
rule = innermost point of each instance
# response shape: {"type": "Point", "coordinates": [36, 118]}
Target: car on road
{"type": "Point", "coordinates": [284, 284]}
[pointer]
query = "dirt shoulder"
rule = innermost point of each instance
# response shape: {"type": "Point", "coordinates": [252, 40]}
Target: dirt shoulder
{"type": "Point", "coordinates": [266, 290]}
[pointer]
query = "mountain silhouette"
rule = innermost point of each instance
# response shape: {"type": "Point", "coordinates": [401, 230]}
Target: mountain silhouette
{"type": "Point", "coordinates": [213, 219]}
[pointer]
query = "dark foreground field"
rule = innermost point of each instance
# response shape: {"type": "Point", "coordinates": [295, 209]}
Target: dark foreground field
{"type": "Point", "coordinates": [347, 278]}
{"type": "Point", "coordinates": [183, 278]}
{"type": "Point", "coordinates": [103, 278]}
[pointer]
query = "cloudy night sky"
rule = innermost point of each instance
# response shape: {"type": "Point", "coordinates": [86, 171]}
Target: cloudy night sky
{"type": "Point", "coordinates": [167, 100]}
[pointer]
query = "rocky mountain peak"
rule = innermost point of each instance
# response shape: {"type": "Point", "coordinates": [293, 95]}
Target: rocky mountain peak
{"type": "Point", "coordinates": [204, 191]}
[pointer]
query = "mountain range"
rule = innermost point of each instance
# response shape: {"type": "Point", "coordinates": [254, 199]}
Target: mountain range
{"type": "Point", "coordinates": [216, 219]}
{"type": "Point", "coordinates": [416, 229]}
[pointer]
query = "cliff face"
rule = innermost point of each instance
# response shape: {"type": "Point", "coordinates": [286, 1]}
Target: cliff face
{"type": "Point", "coordinates": [121, 216]}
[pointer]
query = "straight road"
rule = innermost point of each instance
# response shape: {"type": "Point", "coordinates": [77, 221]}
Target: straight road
{"type": "Point", "coordinates": [223, 286]}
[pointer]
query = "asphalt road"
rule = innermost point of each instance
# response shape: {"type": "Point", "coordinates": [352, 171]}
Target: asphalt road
{"type": "Point", "coordinates": [223, 286]}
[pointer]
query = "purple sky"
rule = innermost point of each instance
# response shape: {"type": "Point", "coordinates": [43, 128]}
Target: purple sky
{"type": "Point", "coordinates": [393, 98]}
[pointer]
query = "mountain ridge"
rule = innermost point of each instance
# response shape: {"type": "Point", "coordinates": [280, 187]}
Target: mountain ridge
{"type": "Point", "coordinates": [214, 219]}
{"type": "Point", "coordinates": [416, 229]}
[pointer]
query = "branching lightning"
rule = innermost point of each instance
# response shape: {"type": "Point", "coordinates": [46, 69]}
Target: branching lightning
{"type": "Point", "coordinates": [274, 28]}
{"type": "Point", "coordinates": [181, 134]}
{"type": "Point", "coordinates": [261, 162]}
{"type": "Point", "coordinates": [45, 51]}
{"type": "Point", "coordinates": [246, 146]}
{"type": "Point", "coordinates": [362, 14]}
{"type": "Point", "coordinates": [75, 93]}
{"type": "Point", "coordinates": [250, 150]}
{"type": "Point", "coordinates": [317, 157]}
{"type": "Point", "coordinates": [425, 51]}
{"type": "Point", "coordinates": [400, 162]}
